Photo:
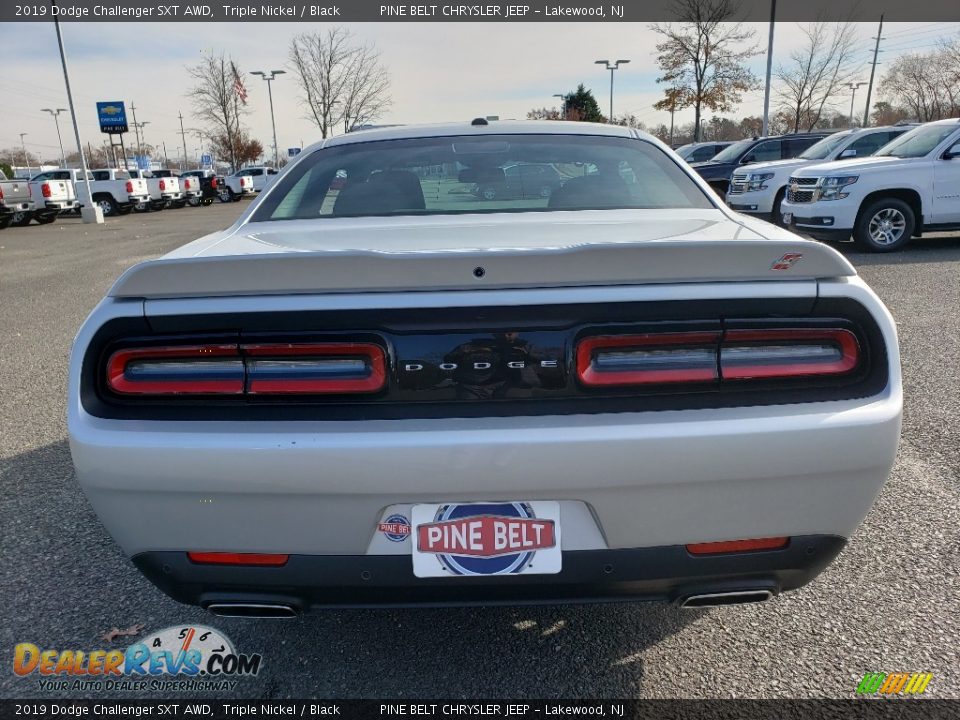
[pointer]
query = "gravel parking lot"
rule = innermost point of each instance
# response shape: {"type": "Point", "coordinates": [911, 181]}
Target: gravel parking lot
{"type": "Point", "coordinates": [891, 602]}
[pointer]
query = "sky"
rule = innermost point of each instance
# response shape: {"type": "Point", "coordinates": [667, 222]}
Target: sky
{"type": "Point", "coordinates": [439, 72]}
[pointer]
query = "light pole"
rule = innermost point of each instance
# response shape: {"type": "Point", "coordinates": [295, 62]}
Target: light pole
{"type": "Point", "coordinates": [563, 105]}
{"type": "Point", "coordinates": [269, 75]}
{"type": "Point", "coordinates": [25, 161]}
{"type": "Point", "coordinates": [611, 68]}
{"type": "Point", "coordinates": [853, 87]}
{"type": "Point", "coordinates": [63, 156]}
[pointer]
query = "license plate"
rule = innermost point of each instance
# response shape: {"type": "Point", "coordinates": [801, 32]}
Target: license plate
{"type": "Point", "coordinates": [515, 538]}
{"type": "Point", "coordinates": [787, 218]}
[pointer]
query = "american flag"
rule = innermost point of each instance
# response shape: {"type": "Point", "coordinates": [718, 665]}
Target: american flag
{"type": "Point", "coordinates": [238, 86]}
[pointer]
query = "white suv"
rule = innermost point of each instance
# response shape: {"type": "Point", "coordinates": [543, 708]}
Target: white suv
{"type": "Point", "coordinates": [759, 189]}
{"type": "Point", "coordinates": [910, 186]}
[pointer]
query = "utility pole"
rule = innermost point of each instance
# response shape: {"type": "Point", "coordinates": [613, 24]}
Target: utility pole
{"type": "Point", "coordinates": [136, 130]}
{"type": "Point", "coordinates": [873, 70]}
{"type": "Point", "coordinates": [766, 89]}
{"type": "Point", "coordinates": [853, 86]}
{"type": "Point", "coordinates": [611, 68]}
{"type": "Point", "coordinates": [183, 136]}
{"type": "Point", "coordinates": [54, 113]}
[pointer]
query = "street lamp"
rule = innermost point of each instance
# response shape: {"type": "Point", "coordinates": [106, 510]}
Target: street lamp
{"type": "Point", "coordinates": [143, 138]}
{"type": "Point", "coordinates": [269, 75]}
{"type": "Point", "coordinates": [853, 87]}
{"type": "Point", "coordinates": [63, 156]}
{"type": "Point", "coordinates": [25, 161]}
{"type": "Point", "coordinates": [611, 68]}
{"type": "Point", "coordinates": [563, 101]}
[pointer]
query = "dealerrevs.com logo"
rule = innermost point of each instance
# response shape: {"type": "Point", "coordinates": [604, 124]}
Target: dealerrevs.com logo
{"type": "Point", "coordinates": [879, 683]}
{"type": "Point", "coordinates": [190, 658]}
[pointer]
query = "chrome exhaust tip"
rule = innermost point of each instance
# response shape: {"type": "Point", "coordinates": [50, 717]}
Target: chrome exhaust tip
{"type": "Point", "coordinates": [252, 610]}
{"type": "Point", "coordinates": [739, 597]}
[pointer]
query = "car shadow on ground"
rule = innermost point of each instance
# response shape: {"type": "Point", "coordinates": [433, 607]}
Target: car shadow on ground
{"type": "Point", "coordinates": [920, 250]}
{"type": "Point", "coordinates": [68, 583]}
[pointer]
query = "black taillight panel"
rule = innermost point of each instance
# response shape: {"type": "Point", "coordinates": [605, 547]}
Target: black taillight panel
{"type": "Point", "coordinates": [485, 362]}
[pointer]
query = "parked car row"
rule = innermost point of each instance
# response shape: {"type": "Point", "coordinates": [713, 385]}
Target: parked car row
{"type": "Point", "coordinates": [119, 192]}
{"type": "Point", "coordinates": [881, 186]}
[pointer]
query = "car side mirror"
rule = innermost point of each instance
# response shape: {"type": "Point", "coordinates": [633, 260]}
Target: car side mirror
{"type": "Point", "coordinates": [748, 159]}
{"type": "Point", "coordinates": [952, 153]}
{"type": "Point", "coordinates": [848, 153]}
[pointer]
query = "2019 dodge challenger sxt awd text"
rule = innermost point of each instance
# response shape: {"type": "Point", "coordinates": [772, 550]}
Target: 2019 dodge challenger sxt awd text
{"type": "Point", "coordinates": [381, 387]}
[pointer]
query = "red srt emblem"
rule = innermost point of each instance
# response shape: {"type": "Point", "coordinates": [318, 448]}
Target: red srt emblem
{"type": "Point", "coordinates": [786, 261]}
{"type": "Point", "coordinates": [486, 536]}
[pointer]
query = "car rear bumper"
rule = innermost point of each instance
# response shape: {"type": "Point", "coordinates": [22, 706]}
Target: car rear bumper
{"type": "Point", "coordinates": [665, 574]}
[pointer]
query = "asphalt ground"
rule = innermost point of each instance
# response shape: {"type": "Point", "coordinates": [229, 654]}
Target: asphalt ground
{"type": "Point", "coordinates": [890, 603]}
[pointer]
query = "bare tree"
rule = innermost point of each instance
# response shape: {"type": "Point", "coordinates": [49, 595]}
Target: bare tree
{"type": "Point", "coordinates": [219, 96]}
{"type": "Point", "coordinates": [341, 82]}
{"type": "Point", "coordinates": [810, 82]}
{"type": "Point", "coordinates": [702, 57]}
{"type": "Point", "coordinates": [925, 85]}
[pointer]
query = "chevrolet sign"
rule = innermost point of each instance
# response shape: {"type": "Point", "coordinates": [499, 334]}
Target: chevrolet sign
{"type": "Point", "coordinates": [113, 117]}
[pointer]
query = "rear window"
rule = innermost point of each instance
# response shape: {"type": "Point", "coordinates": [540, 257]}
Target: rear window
{"type": "Point", "coordinates": [490, 174]}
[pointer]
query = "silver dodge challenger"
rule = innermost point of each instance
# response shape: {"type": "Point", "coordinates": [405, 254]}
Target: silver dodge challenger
{"type": "Point", "coordinates": [383, 387]}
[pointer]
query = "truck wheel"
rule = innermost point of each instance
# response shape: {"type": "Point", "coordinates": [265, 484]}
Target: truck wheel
{"type": "Point", "coordinates": [226, 195]}
{"type": "Point", "coordinates": [46, 219]}
{"type": "Point", "coordinates": [107, 204]}
{"type": "Point", "coordinates": [125, 210]}
{"type": "Point", "coordinates": [20, 219]}
{"type": "Point", "coordinates": [142, 207]}
{"type": "Point", "coordinates": [194, 202]}
{"type": "Point", "coordinates": [885, 225]}
{"type": "Point", "coordinates": [488, 192]}
{"type": "Point", "coordinates": [5, 221]}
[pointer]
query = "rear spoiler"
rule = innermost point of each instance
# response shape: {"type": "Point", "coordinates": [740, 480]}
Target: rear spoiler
{"type": "Point", "coordinates": [361, 271]}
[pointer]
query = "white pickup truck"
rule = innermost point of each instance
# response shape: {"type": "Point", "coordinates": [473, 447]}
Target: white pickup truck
{"type": "Point", "coordinates": [261, 176]}
{"type": "Point", "coordinates": [910, 186]}
{"type": "Point", "coordinates": [236, 186]}
{"type": "Point", "coordinates": [53, 192]}
{"type": "Point", "coordinates": [16, 205]}
{"type": "Point", "coordinates": [164, 188]}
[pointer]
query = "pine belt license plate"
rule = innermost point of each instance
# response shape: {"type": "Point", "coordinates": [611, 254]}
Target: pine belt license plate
{"type": "Point", "coordinates": [469, 539]}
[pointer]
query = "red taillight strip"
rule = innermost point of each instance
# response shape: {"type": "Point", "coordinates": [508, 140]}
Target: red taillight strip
{"type": "Point", "coordinates": [303, 377]}
{"type": "Point", "coordinates": [845, 342]}
{"type": "Point", "coordinates": [589, 348]}
{"type": "Point", "coordinates": [232, 558]}
{"type": "Point", "coordinates": [738, 546]}
{"type": "Point", "coordinates": [119, 382]}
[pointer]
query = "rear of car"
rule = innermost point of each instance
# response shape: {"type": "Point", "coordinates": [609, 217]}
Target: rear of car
{"type": "Point", "coordinates": [53, 192]}
{"type": "Point", "coordinates": [380, 388]}
{"type": "Point", "coordinates": [16, 202]}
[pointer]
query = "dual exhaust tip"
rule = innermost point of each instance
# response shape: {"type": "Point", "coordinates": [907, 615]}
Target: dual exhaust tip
{"type": "Point", "coordinates": [737, 597]}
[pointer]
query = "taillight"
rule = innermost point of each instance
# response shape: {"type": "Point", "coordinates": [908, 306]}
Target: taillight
{"type": "Point", "coordinates": [181, 370]}
{"type": "Point", "coordinates": [1, 193]}
{"type": "Point", "coordinates": [243, 182]}
{"type": "Point", "coordinates": [213, 183]}
{"type": "Point", "coordinates": [738, 546]}
{"type": "Point", "coordinates": [648, 359]}
{"type": "Point", "coordinates": [275, 369]}
{"type": "Point", "coordinates": [730, 356]}
{"type": "Point", "coordinates": [163, 185]}
{"type": "Point", "coordinates": [231, 558]}
{"type": "Point", "coordinates": [129, 186]}
{"type": "Point", "coordinates": [45, 189]}
{"type": "Point", "coordinates": [186, 184]}
{"type": "Point", "coordinates": [322, 368]}
{"type": "Point", "coordinates": [784, 353]}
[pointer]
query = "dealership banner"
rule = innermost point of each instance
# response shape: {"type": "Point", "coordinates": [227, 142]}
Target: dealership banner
{"type": "Point", "coordinates": [486, 709]}
{"type": "Point", "coordinates": [300, 11]}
